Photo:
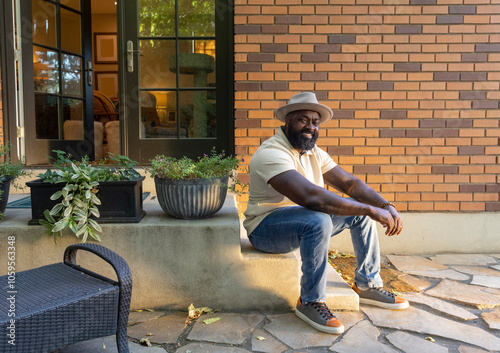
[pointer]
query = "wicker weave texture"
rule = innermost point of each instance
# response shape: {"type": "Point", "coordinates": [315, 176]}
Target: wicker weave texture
{"type": "Point", "coordinates": [56, 305]}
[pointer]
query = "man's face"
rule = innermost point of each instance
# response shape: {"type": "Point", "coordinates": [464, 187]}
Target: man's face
{"type": "Point", "coordinates": [301, 129]}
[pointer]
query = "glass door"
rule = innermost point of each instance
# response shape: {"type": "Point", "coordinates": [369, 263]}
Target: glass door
{"type": "Point", "coordinates": [57, 79]}
{"type": "Point", "coordinates": [178, 77]}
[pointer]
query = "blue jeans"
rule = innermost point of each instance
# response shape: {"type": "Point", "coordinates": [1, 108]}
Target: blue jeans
{"type": "Point", "coordinates": [290, 228]}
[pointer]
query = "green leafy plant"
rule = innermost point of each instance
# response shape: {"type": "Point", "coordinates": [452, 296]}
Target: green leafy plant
{"type": "Point", "coordinates": [215, 165]}
{"type": "Point", "coordinates": [79, 197]}
{"type": "Point", "coordinates": [10, 170]}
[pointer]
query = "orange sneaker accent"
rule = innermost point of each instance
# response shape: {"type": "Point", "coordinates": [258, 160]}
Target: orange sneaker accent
{"type": "Point", "coordinates": [334, 322]}
{"type": "Point", "coordinates": [400, 300]}
{"type": "Point", "coordinates": [319, 311]}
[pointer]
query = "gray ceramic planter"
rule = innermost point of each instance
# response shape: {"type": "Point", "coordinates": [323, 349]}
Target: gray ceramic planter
{"type": "Point", "coordinates": [5, 187]}
{"type": "Point", "coordinates": [191, 199]}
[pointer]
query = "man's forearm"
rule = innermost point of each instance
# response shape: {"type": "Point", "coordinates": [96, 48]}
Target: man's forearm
{"type": "Point", "coordinates": [360, 191]}
{"type": "Point", "coordinates": [328, 202]}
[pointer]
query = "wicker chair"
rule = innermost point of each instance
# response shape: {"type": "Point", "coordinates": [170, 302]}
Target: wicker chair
{"type": "Point", "coordinates": [63, 303]}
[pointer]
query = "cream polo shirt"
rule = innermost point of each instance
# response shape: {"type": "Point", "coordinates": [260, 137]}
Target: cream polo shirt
{"type": "Point", "coordinates": [273, 157]}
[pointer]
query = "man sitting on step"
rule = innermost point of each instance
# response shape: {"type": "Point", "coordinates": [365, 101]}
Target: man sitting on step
{"type": "Point", "coordinates": [290, 208]}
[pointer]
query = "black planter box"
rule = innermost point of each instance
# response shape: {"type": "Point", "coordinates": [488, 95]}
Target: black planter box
{"type": "Point", "coordinates": [121, 201]}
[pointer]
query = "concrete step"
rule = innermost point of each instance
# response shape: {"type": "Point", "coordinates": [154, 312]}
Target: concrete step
{"type": "Point", "coordinates": [286, 268]}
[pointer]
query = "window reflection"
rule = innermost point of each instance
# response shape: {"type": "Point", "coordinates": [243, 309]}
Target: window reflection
{"type": "Point", "coordinates": [72, 75]}
{"type": "Point", "coordinates": [46, 70]}
{"type": "Point", "coordinates": [44, 23]}
{"type": "Point", "coordinates": [196, 18]}
{"type": "Point", "coordinates": [156, 18]}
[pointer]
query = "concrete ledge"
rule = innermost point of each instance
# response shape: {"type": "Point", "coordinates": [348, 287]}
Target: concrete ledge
{"type": "Point", "coordinates": [339, 296]}
{"type": "Point", "coordinates": [436, 233]}
{"type": "Point", "coordinates": [174, 262]}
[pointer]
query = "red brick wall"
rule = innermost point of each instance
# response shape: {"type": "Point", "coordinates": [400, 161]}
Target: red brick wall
{"type": "Point", "coordinates": [414, 85]}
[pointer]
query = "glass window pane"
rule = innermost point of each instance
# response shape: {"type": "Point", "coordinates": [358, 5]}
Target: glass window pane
{"type": "Point", "coordinates": [72, 110]}
{"type": "Point", "coordinates": [46, 116]}
{"type": "Point", "coordinates": [74, 4]}
{"type": "Point", "coordinates": [159, 115]}
{"type": "Point", "coordinates": [197, 113]}
{"type": "Point", "coordinates": [71, 31]}
{"type": "Point", "coordinates": [72, 75]}
{"type": "Point", "coordinates": [73, 119]}
{"type": "Point", "coordinates": [46, 70]}
{"type": "Point", "coordinates": [44, 23]}
{"type": "Point", "coordinates": [197, 69]}
{"type": "Point", "coordinates": [154, 63]}
{"type": "Point", "coordinates": [196, 18]}
{"type": "Point", "coordinates": [156, 18]}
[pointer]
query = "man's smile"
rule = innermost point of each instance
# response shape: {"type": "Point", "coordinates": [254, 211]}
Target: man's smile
{"type": "Point", "coordinates": [308, 134]}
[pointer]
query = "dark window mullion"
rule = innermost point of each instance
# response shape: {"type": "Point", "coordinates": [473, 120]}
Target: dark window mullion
{"type": "Point", "coordinates": [59, 58]}
{"type": "Point", "coordinates": [66, 7]}
{"type": "Point", "coordinates": [177, 69]}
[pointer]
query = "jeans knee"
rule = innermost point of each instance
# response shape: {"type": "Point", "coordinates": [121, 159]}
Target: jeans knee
{"type": "Point", "coordinates": [320, 224]}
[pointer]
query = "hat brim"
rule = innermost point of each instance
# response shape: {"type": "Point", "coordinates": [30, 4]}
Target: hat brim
{"type": "Point", "coordinates": [324, 112]}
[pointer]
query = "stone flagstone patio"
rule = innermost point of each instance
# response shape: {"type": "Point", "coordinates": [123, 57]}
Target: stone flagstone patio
{"type": "Point", "coordinates": [451, 313]}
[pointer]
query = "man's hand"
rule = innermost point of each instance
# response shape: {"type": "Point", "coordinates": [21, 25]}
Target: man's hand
{"type": "Point", "coordinates": [398, 222]}
{"type": "Point", "coordinates": [389, 218]}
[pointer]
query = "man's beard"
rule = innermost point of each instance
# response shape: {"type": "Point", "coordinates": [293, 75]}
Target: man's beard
{"type": "Point", "coordinates": [300, 142]}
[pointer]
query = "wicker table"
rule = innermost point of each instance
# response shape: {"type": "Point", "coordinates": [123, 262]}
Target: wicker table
{"type": "Point", "coordinates": [63, 303]}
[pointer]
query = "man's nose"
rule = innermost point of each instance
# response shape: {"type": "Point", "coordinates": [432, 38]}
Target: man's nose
{"type": "Point", "coordinates": [310, 125]}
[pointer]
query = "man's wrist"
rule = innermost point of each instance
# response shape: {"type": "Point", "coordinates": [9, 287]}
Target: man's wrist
{"type": "Point", "coordinates": [387, 203]}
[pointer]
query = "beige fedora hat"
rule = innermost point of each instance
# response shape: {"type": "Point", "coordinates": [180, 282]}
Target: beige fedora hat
{"type": "Point", "coordinates": [304, 101]}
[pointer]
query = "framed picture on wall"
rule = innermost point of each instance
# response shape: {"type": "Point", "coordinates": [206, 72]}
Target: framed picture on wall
{"type": "Point", "coordinates": [105, 48]}
{"type": "Point", "coordinates": [107, 82]}
{"type": "Point", "coordinates": [171, 116]}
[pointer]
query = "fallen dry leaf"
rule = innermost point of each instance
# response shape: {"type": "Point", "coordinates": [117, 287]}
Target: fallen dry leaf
{"type": "Point", "coordinates": [145, 342]}
{"type": "Point", "coordinates": [211, 320]}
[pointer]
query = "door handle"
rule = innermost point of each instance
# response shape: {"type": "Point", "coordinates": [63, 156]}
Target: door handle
{"type": "Point", "coordinates": [89, 73]}
{"type": "Point", "coordinates": [130, 55]}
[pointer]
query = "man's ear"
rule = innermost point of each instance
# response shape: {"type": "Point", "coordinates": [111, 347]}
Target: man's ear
{"type": "Point", "coordinates": [287, 119]}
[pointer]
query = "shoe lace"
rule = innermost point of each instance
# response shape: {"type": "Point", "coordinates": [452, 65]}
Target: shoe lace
{"type": "Point", "coordinates": [323, 310]}
{"type": "Point", "coordinates": [385, 292]}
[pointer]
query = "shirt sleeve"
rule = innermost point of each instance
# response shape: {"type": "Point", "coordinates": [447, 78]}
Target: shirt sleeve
{"type": "Point", "coordinates": [270, 162]}
{"type": "Point", "coordinates": [326, 161]}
